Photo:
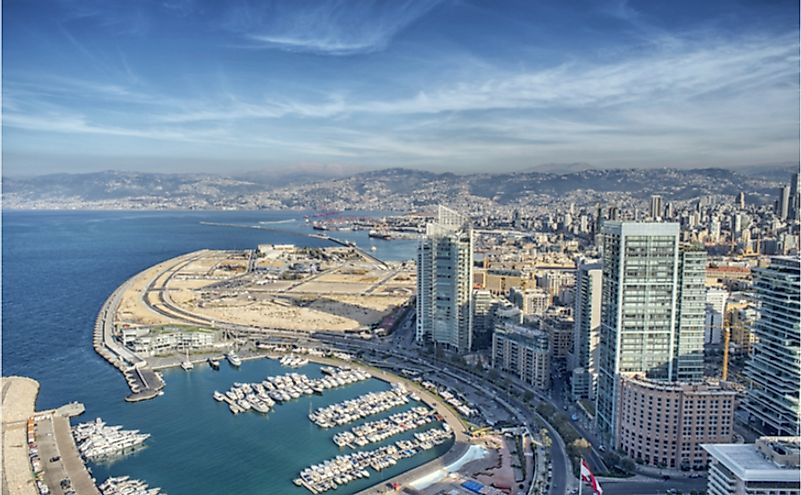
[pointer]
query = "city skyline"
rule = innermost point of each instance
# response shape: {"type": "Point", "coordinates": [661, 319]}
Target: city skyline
{"type": "Point", "coordinates": [194, 86]}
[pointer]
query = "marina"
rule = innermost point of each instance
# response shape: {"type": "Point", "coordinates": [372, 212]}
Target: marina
{"type": "Point", "coordinates": [378, 431]}
{"type": "Point", "coordinates": [355, 409]}
{"type": "Point", "coordinates": [261, 396]}
{"type": "Point", "coordinates": [344, 469]}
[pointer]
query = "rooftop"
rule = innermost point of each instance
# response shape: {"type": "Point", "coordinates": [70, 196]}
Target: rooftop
{"type": "Point", "coordinates": [749, 464]}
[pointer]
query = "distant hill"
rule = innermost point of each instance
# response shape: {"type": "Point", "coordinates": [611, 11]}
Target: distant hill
{"type": "Point", "coordinates": [379, 189]}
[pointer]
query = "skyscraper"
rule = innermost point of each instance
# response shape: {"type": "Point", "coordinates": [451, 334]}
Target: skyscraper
{"type": "Point", "coordinates": [773, 371]}
{"type": "Point", "coordinates": [444, 282]}
{"type": "Point", "coordinates": [741, 200]}
{"type": "Point", "coordinates": [656, 207]}
{"type": "Point", "coordinates": [795, 197]}
{"type": "Point", "coordinates": [586, 329]}
{"type": "Point", "coordinates": [652, 316]}
{"type": "Point", "coordinates": [690, 315]}
{"type": "Point", "coordinates": [783, 204]}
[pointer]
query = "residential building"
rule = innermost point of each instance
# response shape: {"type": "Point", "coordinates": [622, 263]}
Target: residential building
{"type": "Point", "coordinates": [768, 467]}
{"type": "Point", "coordinates": [783, 203]}
{"type": "Point", "coordinates": [656, 207]}
{"type": "Point", "coordinates": [652, 316]}
{"type": "Point", "coordinates": [483, 310]}
{"type": "Point", "coordinates": [663, 424]}
{"type": "Point", "coordinates": [774, 370]}
{"type": "Point", "coordinates": [716, 298]}
{"type": "Point", "coordinates": [444, 282]}
{"type": "Point", "coordinates": [586, 330]}
{"type": "Point", "coordinates": [560, 334]}
{"type": "Point", "coordinates": [532, 302]}
{"type": "Point", "coordinates": [522, 351]}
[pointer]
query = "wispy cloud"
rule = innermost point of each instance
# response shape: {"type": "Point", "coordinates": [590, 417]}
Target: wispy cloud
{"type": "Point", "coordinates": [333, 27]}
{"type": "Point", "coordinates": [714, 69]}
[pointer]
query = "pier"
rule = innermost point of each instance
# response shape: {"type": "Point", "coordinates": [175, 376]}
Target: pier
{"type": "Point", "coordinates": [55, 463]}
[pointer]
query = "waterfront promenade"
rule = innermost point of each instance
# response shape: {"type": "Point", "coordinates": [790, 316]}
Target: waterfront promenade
{"type": "Point", "coordinates": [19, 396]}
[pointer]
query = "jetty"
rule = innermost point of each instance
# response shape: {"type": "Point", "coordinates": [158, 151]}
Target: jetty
{"type": "Point", "coordinates": [143, 381]}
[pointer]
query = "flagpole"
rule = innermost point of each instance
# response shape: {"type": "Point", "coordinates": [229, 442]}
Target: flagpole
{"type": "Point", "coordinates": [581, 483]}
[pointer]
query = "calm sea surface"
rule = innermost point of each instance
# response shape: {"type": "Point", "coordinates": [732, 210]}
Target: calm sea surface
{"type": "Point", "coordinates": [58, 268]}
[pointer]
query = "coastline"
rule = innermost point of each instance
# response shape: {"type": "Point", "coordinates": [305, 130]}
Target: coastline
{"type": "Point", "coordinates": [18, 402]}
{"type": "Point", "coordinates": [133, 367]}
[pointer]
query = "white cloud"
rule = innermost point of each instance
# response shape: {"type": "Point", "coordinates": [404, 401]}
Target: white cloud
{"type": "Point", "coordinates": [332, 27]}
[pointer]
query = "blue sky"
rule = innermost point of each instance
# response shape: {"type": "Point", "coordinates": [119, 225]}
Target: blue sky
{"type": "Point", "coordinates": [230, 86]}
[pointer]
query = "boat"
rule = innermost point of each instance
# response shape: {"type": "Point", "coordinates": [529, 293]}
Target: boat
{"type": "Point", "coordinates": [233, 359]}
{"type": "Point", "coordinates": [218, 396]}
{"type": "Point", "coordinates": [186, 364]}
{"type": "Point", "coordinates": [379, 234]}
{"type": "Point", "coordinates": [214, 363]}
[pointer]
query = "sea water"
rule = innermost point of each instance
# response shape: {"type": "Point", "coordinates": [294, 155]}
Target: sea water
{"type": "Point", "coordinates": [59, 267]}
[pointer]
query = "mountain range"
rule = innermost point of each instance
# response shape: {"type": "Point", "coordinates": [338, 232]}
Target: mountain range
{"type": "Point", "coordinates": [379, 189]}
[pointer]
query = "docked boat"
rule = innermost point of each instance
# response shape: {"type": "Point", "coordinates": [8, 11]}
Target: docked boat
{"type": "Point", "coordinates": [186, 364]}
{"type": "Point", "coordinates": [214, 363]}
{"type": "Point", "coordinates": [233, 359]}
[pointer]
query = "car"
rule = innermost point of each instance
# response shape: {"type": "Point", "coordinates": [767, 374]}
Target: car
{"type": "Point", "coordinates": [665, 477]}
{"type": "Point", "coordinates": [55, 458]}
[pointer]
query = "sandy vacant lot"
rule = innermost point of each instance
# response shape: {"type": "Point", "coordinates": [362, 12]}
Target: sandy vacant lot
{"type": "Point", "coordinates": [329, 301]}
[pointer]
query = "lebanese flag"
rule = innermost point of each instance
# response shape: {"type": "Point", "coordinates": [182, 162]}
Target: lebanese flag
{"type": "Point", "coordinates": [586, 475]}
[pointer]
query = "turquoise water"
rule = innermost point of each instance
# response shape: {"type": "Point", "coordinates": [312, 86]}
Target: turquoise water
{"type": "Point", "coordinates": [58, 268]}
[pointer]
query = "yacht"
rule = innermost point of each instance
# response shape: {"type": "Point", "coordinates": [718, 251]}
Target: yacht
{"type": "Point", "coordinates": [214, 363]}
{"type": "Point", "coordinates": [233, 358]}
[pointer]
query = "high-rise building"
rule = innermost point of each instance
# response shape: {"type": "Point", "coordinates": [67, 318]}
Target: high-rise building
{"type": "Point", "coordinates": [586, 329]}
{"type": "Point", "coordinates": [484, 306]}
{"type": "Point", "coordinates": [652, 313]}
{"type": "Point", "coordinates": [783, 203]}
{"type": "Point", "coordinates": [690, 312]}
{"type": "Point", "coordinates": [741, 200]}
{"type": "Point", "coordinates": [444, 282]}
{"type": "Point", "coordinates": [767, 467]}
{"type": "Point", "coordinates": [774, 371]}
{"type": "Point", "coordinates": [716, 298]}
{"type": "Point", "coordinates": [656, 207]}
{"type": "Point", "coordinates": [795, 197]}
{"type": "Point", "coordinates": [522, 351]}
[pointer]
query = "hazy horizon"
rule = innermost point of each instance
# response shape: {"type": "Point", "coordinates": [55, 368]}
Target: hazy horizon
{"type": "Point", "coordinates": [190, 86]}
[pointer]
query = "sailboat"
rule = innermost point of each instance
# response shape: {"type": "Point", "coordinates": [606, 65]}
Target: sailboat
{"type": "Point", "coordinates": [186, 364]}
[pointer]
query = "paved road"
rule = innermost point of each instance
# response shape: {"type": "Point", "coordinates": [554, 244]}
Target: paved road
{"type": "Point", "coordinates": [55, 440]}
{"type": "Point", "coordinates": [648, 486]}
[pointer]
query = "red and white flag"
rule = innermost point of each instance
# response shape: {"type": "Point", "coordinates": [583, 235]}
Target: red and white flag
{"type": "Point", "coordinates": [586, 475]}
